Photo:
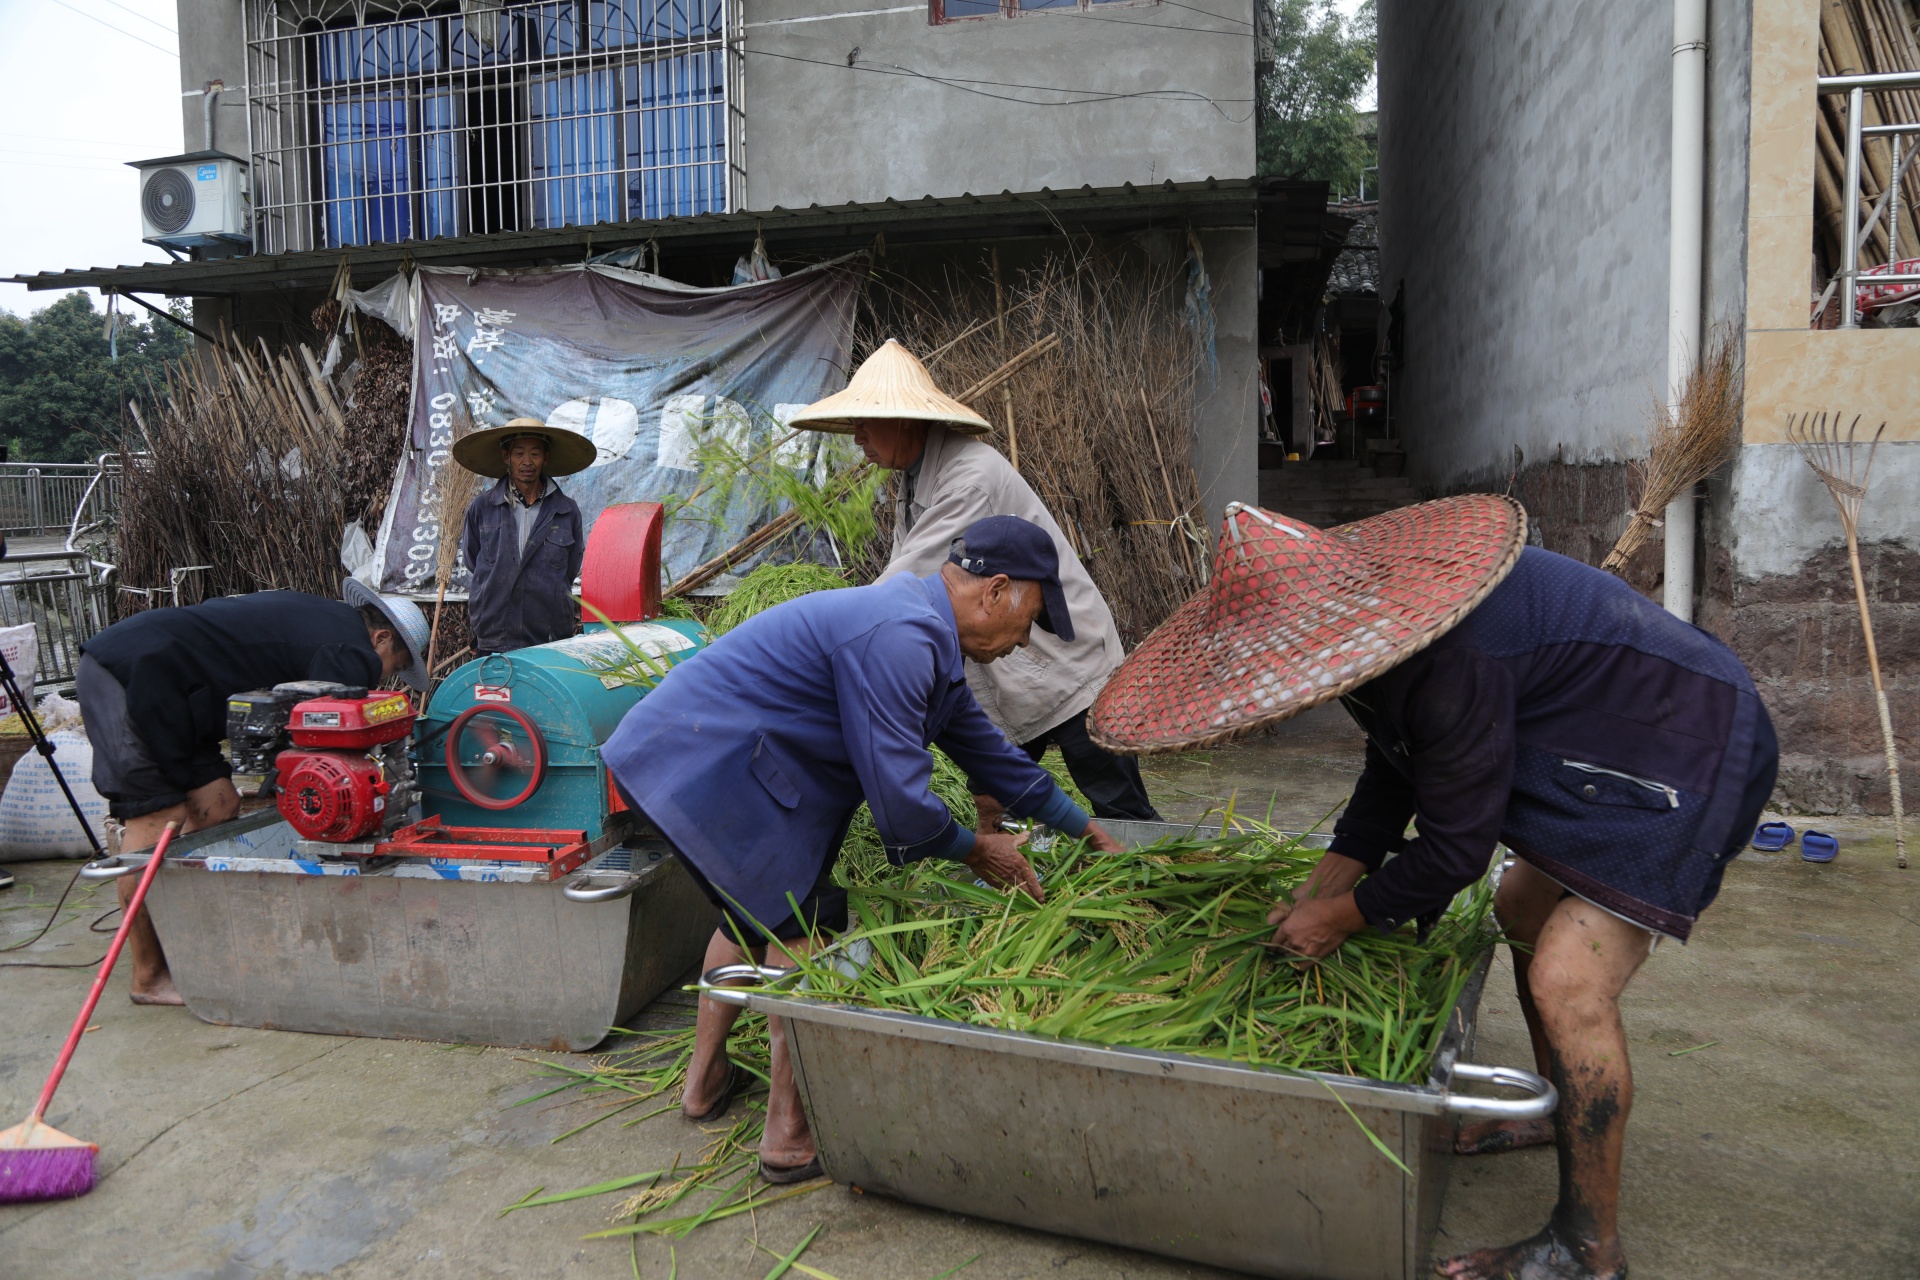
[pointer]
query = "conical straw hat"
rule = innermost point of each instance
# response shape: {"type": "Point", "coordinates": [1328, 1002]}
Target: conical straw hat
{"type": "Point", "coordinates": [890, 384]}
{"type": "Point", "coordinates": [1294, 616]}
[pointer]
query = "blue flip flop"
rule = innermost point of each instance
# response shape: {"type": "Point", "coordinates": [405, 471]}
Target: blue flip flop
{"type": "Point", "coordinates": [1772, 837]}
{"type": "Point", "coordinates": [1818, 846]}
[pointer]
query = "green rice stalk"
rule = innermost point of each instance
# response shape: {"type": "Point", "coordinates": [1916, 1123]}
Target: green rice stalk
{"type": "Point", "coordinates": [770, 585]}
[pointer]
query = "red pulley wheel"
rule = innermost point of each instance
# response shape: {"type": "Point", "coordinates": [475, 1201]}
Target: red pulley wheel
{"type": "Point", "coordinates": [495, 756]}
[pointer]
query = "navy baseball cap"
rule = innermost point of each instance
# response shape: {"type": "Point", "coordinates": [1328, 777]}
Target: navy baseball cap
{"type": "Point", "coordinates": [1024, 552]}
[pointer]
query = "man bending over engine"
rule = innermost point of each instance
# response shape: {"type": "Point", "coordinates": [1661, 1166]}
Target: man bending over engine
{"type": "Point", "coordinates": [153, 693]}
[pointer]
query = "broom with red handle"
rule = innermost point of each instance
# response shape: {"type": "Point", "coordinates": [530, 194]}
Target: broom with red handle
{"type": "Point", "coordinates": [37, 1161]}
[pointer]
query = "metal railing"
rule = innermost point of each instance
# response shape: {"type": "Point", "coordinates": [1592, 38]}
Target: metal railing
{"type": "Point", "coordinates": [41, 499]}
{"type": "Point", "coordinates": [1856, 88]}
{"type": "Point", "coordinates": [510, 116]}
{"type": "Point", "coordinates": [66, 596]}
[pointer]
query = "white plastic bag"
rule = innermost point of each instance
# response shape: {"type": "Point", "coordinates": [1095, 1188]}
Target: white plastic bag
{"type": "Point", "coordinates": [21, 645]}
{"type": "Point", "coordinates": [35, 820]}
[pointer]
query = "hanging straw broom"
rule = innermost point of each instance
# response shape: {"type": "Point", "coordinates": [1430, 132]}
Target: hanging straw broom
{"type": "Point", "coordinates": [1688, 443]}
{"type": "Point", "coordinates": [458, 488]}
{"type": "Point", "coordinates": [1834, 459]}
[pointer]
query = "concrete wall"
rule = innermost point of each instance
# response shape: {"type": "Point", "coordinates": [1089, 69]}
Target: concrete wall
{"type": "Point", "coordinates": [213, 47]}
{"type": "Point", "coordinates": [887, 105]}
{"type": "Point", "coordinates": [1524, 153]}
{"type": "Point", "coordinates": [1226, 456]}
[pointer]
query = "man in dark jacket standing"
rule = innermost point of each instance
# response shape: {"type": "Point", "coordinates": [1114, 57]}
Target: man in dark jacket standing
{"type": "Point", "coordinates": [522, 539]}
{"type": "Point", "coordinates": [1509, 696]}
{"type": "Point", "coordinates": [153, 694]}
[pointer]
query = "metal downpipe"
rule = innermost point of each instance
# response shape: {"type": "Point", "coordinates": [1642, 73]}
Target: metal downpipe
{"type": "Point", "coordinates": [1684, 268]}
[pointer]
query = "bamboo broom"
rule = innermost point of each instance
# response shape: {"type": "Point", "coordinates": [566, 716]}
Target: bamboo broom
{"type": "Point", "coordinates": [1687, 444]}
{"type": "Point", "coordinates": [1835, 460]}
{"type": "Point", "coordinates": [458, 487]}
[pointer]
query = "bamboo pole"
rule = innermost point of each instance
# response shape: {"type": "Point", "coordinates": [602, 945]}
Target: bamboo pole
{"type": "Point", "coordinates": [1006, 392]}
{"type": "Point", "coordinates": [1174, 514]}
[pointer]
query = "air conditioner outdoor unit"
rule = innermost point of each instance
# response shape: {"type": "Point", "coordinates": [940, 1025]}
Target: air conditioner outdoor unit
{"type": "Point", "coordinates": [197, 201]}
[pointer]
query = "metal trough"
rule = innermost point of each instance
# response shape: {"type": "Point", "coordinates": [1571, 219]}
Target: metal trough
{"type": "Point", "coordinates": [1255, 1170]}
{"type": "Point", "coordinates": [463, 955]}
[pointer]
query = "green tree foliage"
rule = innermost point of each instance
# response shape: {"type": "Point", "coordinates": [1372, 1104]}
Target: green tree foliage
{"type": "Point", "coordinates": [61, 393]}
{"type": "Point", "coordinates": [1321, 64]}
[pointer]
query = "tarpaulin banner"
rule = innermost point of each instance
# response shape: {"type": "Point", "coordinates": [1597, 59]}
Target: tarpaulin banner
{"type": "Point", "coordinates": [652, 372]}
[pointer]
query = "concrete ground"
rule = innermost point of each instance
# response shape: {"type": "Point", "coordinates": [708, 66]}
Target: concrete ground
{"type": "Point", "coordinates": [1777, 1131]}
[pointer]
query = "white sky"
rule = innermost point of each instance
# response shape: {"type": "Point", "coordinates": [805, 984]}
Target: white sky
{"type": "Point", "coordinates": [77, 100]}
{"type": "Point", "coordinates": [66, 139]}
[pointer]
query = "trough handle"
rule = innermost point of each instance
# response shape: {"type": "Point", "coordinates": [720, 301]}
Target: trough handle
{"type": "Point", "coordinates": [573, 893]}
{"type": "Point", "coordinates": [711, 980]}
{"type": "Point", "coordinates": [110, 868]}
{"type": "Point", "coordinates": [1541, 1102]}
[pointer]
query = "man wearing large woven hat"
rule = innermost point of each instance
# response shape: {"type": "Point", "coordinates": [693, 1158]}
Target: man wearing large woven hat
{"type": "Point", "coordinates": [522, 539]}
{"type": "Point", "coordinates": [1508, 695]}
{"type": "Point", "coordinates": [949, 478]}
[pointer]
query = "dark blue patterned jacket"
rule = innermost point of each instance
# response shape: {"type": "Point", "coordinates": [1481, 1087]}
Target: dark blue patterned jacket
{"type": "Point", "coordinates": [1616, 748]}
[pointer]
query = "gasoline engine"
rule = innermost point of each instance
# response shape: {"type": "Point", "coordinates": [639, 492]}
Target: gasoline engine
{"type": "Point", "coordinates": [336, 755]}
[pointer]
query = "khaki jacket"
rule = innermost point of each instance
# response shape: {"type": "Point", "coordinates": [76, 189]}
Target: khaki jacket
{"type": "Point", "coordinates": [1031, 690]}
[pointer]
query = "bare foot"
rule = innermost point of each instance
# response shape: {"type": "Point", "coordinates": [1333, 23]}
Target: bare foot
{"type": "Point", "coordinates": [1542, 1257]}
{"type": "Point", "coordinates": [160, 991]}
{"type": "Point", "coordinates": [1490, 1137]}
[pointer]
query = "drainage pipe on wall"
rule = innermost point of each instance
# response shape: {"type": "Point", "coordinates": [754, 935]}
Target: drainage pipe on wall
{"type": "Point", "coordinates": [209, 96]}
{"type": "Point", "coordinates": [1688, 222]}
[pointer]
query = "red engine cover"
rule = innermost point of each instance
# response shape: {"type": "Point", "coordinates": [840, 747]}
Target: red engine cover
{"type": "Point", "coordinates": [351, 722]}
{"type": "Point", "coordinates": [337, 796]}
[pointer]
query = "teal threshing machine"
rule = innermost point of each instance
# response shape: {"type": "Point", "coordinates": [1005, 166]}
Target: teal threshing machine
{"type": "Point", "coordinates": [467, 873]}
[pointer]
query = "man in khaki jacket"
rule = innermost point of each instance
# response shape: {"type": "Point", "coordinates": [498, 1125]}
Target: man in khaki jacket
{"type": "Point", "coordinates": [1038, 695]}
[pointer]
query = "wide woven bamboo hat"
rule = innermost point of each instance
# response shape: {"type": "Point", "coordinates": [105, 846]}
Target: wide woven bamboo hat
{"type": "Point", "coordinates": [891, 383]}
{"type": "Point", "coordinates": [480, 451]}
{"type": "Point", "coordinates": [1294, 616]}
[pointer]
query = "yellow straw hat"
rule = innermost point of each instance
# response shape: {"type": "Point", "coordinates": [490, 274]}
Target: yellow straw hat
{"type": "Point", "coordinates": [567, 451]}
{"type": "Point", "coordinates": [890, 384]}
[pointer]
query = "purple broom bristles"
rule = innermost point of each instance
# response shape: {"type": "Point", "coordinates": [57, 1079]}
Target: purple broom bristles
{"type": "Point", "coordinates": [45, 1173]}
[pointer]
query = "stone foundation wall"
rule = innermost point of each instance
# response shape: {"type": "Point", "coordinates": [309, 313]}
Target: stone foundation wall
{"type": "Point", "coordinates": [1580, 510]}
{"type": "Point", "coordinates": [1799, 635]}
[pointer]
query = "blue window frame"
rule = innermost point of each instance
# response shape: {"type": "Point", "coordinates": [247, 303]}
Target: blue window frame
{"type": "Point", "coordinates": [547, 114]}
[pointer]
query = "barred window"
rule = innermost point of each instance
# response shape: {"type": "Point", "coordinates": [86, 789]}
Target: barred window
{"type": "Point", "coordinates": [421, 122]}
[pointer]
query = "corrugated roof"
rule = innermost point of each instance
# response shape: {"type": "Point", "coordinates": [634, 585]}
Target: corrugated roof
{"type": "Point", "coordinates": [1210, 203]}
{"type": "Point", "coordinates": [1357, 269]}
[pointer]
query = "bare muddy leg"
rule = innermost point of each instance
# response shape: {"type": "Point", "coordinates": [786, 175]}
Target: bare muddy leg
{"type": "Point", "coordinates": [205, 806]}
{"type": "Point", "coordinates": [707, 1073]}
{"type": "Point", "coordinates": [1525, 901]}
{"type": "Point", "coordinates": [1582, 960]}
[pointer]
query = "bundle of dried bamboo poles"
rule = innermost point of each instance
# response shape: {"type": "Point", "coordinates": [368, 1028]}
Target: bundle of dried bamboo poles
{"type": "Point", "coordinates": [1856, 37]}
{"type": "Point", "coordinates": [1687, 443]}
{"type": "Point", "coordinates": [242, 474]}
{"type": "Point", "coordinates": [1102, 427]}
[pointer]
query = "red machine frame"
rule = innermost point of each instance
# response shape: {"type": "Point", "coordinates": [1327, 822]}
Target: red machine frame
{"type": "Point", "coordinates": [560, 851]}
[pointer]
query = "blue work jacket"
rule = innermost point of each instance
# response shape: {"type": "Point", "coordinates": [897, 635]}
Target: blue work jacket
{"type": "Point", "coordinates": [514, 601]}
{"type": "Point", "coordinates": [752, 755]}
{"type": "Point", "coordinates": [1620, 750]}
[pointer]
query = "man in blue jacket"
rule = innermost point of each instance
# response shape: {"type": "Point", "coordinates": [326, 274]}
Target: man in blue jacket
{"type": "Point", "coordinates": [753, 755]}
{"type": "Point", "coordinates": [522, 539]}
